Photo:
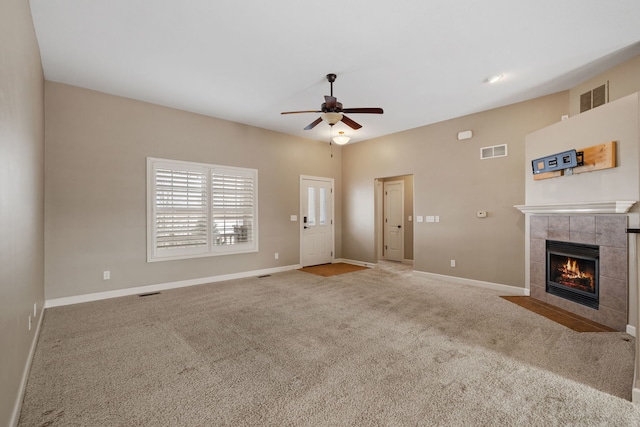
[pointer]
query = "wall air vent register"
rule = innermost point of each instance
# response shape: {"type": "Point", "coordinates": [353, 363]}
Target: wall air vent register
{"type": "Point", "coordinates": [493, 151]}
{"type": "Point", "coordinates": [594, 98]}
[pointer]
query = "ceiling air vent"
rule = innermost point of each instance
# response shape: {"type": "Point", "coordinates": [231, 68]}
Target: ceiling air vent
{"type": "Point", "coordinates": [493, 151]}
{"type": "Point", "coordinates": [594, 98]}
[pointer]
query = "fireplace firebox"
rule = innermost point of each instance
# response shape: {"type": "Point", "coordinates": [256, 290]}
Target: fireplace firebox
{"type": "Point", "coordinates": [573, 272]}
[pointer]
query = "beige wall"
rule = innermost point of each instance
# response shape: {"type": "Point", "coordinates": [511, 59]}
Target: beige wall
{"type": "Point", "coordinates": [21, 197]}
{"type": "Point", "coordinates": [615, 121]}
{"type": "Point", "coordinates": [452, 182]}
{"type": "Point", "coordinates": [96, 151]}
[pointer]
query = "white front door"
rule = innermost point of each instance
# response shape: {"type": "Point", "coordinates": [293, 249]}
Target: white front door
{"type": "Point", "coordinates": [316, 225]}
{"type": "Point", "coordinates": [393, 220]}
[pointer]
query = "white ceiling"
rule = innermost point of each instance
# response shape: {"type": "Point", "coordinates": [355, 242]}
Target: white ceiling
{"type": "Point", "coordinates": [246, 61]}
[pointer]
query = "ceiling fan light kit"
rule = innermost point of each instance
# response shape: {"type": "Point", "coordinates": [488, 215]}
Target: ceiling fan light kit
{"type": "Point", "coordinates": [332, 111]}
{"type": "Point", "coordinates": [331, 118]}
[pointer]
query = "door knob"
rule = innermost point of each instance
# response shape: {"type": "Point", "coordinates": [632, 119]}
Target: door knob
{"type": "Point", "coordinates": [399, 226]}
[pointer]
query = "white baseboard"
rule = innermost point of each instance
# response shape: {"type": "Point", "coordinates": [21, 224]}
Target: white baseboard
{"type": "Point", "coordinates": [407, 261]}
{"type": "Point", "coordinates": [635, 395]}
{"type": "Point", "coordinates": [354, 262]}
{"type": "Point", "coordinates": [511, 290]}
{"type": "Point", "coordinates": [17, 407]}
{"type": "Point", "coordinates": [56, 302]}
{"type": "Point", "coordinates": [631, 330]}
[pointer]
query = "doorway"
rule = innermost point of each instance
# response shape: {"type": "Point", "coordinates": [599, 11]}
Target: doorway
{"type": "Point", "coordinates": [316, 225]}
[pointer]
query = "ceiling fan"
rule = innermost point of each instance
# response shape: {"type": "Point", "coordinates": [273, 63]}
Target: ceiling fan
{"type": "Point", "coordinates": [332, 111]}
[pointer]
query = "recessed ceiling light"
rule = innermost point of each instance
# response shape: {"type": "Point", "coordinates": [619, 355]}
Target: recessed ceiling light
{"type": "Point", "coordinates": [494, 78]}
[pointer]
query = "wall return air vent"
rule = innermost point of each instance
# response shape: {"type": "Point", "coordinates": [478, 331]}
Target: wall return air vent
{"type": "Point", "coordinates": [493, 151]}
{"type": "Point", "coordinates": [594, 98]}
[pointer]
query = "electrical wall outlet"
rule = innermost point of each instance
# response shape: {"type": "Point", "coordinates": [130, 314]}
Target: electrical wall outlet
{"type": "Point", "coordinates": [29, 322]}
{"type": "Point", "coordinates": [277, 255]}
{"type": "Point", "coordinates": [106, 275]}
{"type": "Point", "coordinates": [35, 309]}
{"type": "Point", "coordinates": [453, 263]}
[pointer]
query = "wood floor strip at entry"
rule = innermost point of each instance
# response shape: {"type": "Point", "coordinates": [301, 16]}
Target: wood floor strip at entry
{"type": "Point", "coordinates": [327, 270]}
{"type": "Point", "coordinates": [558, 315]}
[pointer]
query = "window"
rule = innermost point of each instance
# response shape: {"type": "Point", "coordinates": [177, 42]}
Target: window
{"type": "Point", "coordinates": [196, 210]}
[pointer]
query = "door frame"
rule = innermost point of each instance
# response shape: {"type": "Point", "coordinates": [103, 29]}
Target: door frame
{"type": "Point", "coordinates": [379, 219]}
{"type": "Point", "coordinates": [333, 213]}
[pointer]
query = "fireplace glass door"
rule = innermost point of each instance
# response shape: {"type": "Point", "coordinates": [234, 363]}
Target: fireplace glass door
{"type": "Point", "coordinates": [572, 272]}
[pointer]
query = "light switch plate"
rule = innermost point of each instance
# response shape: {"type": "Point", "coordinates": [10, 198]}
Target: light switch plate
{"type": "Point", "coordinates": [431, 218]}
{"type": "Point", "coordinates": [419, 218]}
{"type": "Point", "coordinates": [294, 217]}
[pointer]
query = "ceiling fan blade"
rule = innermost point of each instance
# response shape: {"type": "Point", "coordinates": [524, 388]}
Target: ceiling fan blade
{"type": "Point", "coordinates": [330, 101]}
{"type": "Point", "coordinates": [298, 112]}
{"type": "Point", "coordinates": [353, 125]}
{"type": "Point", "coordinates": [313, 124]}
{"type": "Point", "coordinates": [363, 110]}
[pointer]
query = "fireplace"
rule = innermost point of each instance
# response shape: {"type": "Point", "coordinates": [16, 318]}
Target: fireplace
{"type": "Point", "coordinates": [572, 272]}
{"type": "Point", "coordinates": [599, 225]}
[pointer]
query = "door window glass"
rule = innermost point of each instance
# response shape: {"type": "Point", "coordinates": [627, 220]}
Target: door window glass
{"type": "Point", "coordinates": [311, 209]}
{"type": "Point", "coordinates": [323, 206]}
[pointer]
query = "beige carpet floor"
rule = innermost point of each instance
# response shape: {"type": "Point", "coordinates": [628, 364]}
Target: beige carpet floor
{"type": "Point", "coordinates": [373, 347]}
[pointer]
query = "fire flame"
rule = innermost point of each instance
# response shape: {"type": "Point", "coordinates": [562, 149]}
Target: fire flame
{"type": "Point", "coordinates": [571, 270]}
{"type": "Point", "coordinates": [571, 275]}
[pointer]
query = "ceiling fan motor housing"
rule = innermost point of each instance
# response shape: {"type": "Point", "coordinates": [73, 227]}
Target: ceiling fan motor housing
{"type": "Point", "coordinates": [336, 109]}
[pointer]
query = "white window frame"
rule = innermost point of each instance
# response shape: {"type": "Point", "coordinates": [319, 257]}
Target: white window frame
{"type": "Point", "coordinates": [154, 253]}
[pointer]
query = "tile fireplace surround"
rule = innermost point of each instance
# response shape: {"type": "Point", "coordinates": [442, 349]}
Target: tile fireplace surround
{"type": "Point", "coordinates": [606, 231]}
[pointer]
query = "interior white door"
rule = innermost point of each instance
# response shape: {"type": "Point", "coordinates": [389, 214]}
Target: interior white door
{"type": "Point", "coordinates": [316, 225]}
{"type": "Point", "coordinates": [393, 220]}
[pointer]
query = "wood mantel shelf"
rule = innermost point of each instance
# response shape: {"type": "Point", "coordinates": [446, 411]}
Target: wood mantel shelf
{"type": "Point", "coordinates": [608, 207]}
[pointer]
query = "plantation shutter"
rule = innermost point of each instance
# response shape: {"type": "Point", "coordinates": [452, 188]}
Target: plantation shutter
{"type": "Point", "coordinates": [233, 206]}
{"type": "Point", "coordinates": [180, 220]}
{"type": "Point", "coordinates": [197, 209]}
